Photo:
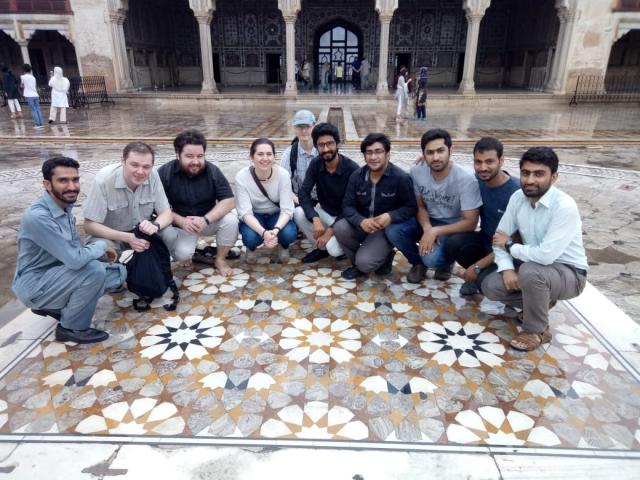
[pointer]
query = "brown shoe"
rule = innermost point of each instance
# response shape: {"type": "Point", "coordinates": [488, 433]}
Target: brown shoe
{"type": "Point", "coordinates": [417, 273]}
{"type": "Point", "coordinates": [528, 341]}
{"type": "Point", "coordinates": [443, 273]}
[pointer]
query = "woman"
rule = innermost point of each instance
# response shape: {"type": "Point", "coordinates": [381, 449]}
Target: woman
{"type": "Point", "coordinates": [59, 88]}
{"type": "Point", "coordinates": [264, 201]}
{"type": "Point", "coordinates": [402, 93]}
{"type": "Point", "coordinates": [12, 91]}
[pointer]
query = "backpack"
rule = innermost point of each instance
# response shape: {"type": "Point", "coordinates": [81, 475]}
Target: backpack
{"type": "Point", "coordinates": [293, 157]}
{"type": "Point", "coordinates": [149, 273]}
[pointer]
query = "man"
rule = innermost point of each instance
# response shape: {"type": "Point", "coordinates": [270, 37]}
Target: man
{"type": "Point", "coordinates": [56, 274]}
{"type": "Point", "coordinates": [550, 263]}
{"type": "Point", "coordinates": [328, 174]}
{"type": "Point", "coordinates": [473, 250]}
{"type": "Point", "coordinates": [201, 200]}
{"type": "Point", "coordinates": [448, 202]}
{"type": "Point", "coordinates": [365, 69]}
{"type": "Point", "coordinates": [297, 157]}
{"type": "Point", "coordinates": [124, 195]}
{"type": "Point", "coordinates": [356, 68]}
{"type": "Point", "coordinates": [379, 195]}
{"type": "Point", "coordinates": [30, 92]}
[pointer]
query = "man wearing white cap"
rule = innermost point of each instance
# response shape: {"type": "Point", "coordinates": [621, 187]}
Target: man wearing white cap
{"type": "Point", "coordinates": [297, 157]}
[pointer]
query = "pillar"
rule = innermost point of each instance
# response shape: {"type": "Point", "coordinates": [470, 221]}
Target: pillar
{"type": "Point", "coordinates": [474, 11]}
{"type": "Point", "coordinates": [203, 11]}
{"type": "Point", "coordinates": [121, 61]}
{"type": "Point", "coordinates": [290, 9]}
{"type": "Point", "coordinates": [24, 48]}
{"type": "Point", "coordinates": [567, 16]}
{"type": "Point", "coordinates": [385, 9]}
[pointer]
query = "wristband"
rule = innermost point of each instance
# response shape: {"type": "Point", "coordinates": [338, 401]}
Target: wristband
{"type": "Point", "coordinates": [277, 228]}
{"type": "Point", "coordinates": [206, 220]}
{"type": "Point", "coordinates": [263, 232]}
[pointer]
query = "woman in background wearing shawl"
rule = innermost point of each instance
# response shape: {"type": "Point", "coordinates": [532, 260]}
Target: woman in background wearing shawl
{"type": "Point", "coordinates": [59, 88]}
{"type": "Point", "coordinates": [402, 94]}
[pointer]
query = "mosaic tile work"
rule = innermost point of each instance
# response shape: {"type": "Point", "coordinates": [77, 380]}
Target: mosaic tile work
{"type": "Point", "coordinates": [296, 352]}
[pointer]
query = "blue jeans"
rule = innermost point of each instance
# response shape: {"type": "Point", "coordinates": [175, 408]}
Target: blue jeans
{"type": "Point", "coordinates": [405, 236]}
{"type": "Point", "coordinates": [252, 240]}
{"type": "Point", "coordinates": [34, 103]}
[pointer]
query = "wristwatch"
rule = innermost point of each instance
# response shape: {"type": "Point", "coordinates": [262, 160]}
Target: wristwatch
{"type": "Point", "coordinates": [508, 244]}
{"type": "Point", "coordinates": [477, 269]}
{"type": "Point", "coordinates": [156, 224]}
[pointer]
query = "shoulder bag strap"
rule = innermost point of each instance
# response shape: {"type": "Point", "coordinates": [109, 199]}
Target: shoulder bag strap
{"type": "Point", "coordinates": [260, 186]}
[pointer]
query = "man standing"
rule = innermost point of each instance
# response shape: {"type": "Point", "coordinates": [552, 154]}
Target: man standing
{"type": "Point", "coordinates": [297, 157]}
{"type": "Point", "coordinates": [356, 68]}
{"type": "Point", "coordinates": [550, 263]}
{"type": "Point", "coordinates": [55, 273]}
{"type": "Point", "coordinates": [473, 250]}
{"type": "Point", "coordinates": [448, 202]}
{"type": "Point", "coordinates": [378, 196]}
{"type": "Point", "coordinates": [30, 92]}
{"type": "Point", "coordinates": [125, 195]}
{"type": "Point", "coordinates": [201, 200]}
{"type": "Point", "coordinates": [365, 69]}
{"type": "Point", "coordinates": [329, 175]}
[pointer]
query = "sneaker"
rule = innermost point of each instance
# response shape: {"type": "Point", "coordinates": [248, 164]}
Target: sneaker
{"type": "Point", "coordinates": [283, 255]}
{"type": "Point", "coordinates": [443, 273]}
{"type": "Point", "coordinates": [468, 288]}
{"type": "Point", "coordinates": [114, 290]}
{"type": "Point", "coordinates": [88, 335]}
{"type": "Point", "coordinates": [351, 273]}
{"type": "Point", "coordinates": [387, 266]}
{"type": "Point", "coordinates": [417, 273]}
{"type": "Point", "coordinates": [250, 256]}
{"type": "Point", "coordinates": [38, 127]}
{"type": "Point", "coordinates": [315, 256]}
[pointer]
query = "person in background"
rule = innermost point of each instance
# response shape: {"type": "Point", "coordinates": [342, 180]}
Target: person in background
{"type": "Point", "coordinates": [30, 92]}
{"type": "Point", "coordinates": [11, 91]}
{"type": "Point", "coordinates": [59, 101]}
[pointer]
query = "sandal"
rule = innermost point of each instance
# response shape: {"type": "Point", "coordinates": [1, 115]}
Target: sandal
{"type": "Point", "coordinates": [208, 255]}
{"type": "Point", "coordinates": [528, 341]}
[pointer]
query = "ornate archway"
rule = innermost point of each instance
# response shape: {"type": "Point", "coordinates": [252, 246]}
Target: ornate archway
{"type": "Point", "coordinates": [338, 42]}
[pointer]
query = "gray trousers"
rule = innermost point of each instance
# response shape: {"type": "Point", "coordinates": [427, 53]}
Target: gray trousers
{"type": "Point", "coordinates": [367, 251]}
{"type": "Point", "coordinates": [333, 247]}
{"type": "Point", "coordinates": [76, 292]}
{"type": "Point", "coordinates": [540, 285]}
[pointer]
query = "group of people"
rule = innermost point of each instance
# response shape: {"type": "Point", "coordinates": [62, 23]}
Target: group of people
{"type": "Point", "coordinates": [336, 75]}
{"type": "Point", "coordinates": [526, 252]}
{"type": "Point", "coordinates": [26, 86]}
{"type": "Point", "coordinates": [403, 87]}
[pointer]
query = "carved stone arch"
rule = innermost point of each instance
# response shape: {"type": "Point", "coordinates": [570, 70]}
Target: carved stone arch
{"type": "Point", "coordinates": [328, 25]}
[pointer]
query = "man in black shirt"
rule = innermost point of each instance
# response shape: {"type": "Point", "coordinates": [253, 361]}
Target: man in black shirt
{"type": "Point", "coordinates": [329, 173]}
{"type": "Point", "coordinates": [202, 202]}
{"type": "Point", "coordinates": [378, 195]}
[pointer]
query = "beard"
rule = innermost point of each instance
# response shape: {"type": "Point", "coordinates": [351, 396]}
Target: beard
{"type": "Point", "coordinates": [66, 196]}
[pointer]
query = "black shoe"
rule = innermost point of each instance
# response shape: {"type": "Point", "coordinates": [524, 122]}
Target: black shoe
{"type": "Point", "coordinates": [443, 273]}
{"type": "Point", "coordinates": [417, 273]}
{"type": "Point", "coordinates": [387, 266]}
{"type": "Point", "coordinates": [315, 256]}
{"type": "Point", "coordinates": [351, 273]}
{"type": "Point", "coordinates": [50, 121]}
{"type": "Point", "coordinates": [341, 257]}
{"type": "Point", "coordinates": [89, 335]}
{"type": "Point", "coordinates": [47, 313]}
{"type": "Point", "coordinates": [468, 288]}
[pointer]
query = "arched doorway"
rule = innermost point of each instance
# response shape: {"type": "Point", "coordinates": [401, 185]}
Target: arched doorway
{"type": "Point", "coordinates": [623, 69]}
{"type": "Point", "coordinates": [48, 49]}
{"type": "Point", "coordinates": [10, 52]}
{"type": "Point", "coordinates": [338, 43]}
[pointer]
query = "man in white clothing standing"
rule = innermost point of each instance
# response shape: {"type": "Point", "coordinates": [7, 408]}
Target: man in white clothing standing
{"type": "Point", "coordinates": [30, 92]}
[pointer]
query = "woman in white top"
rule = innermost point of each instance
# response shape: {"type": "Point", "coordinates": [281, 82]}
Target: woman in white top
{"type": "Point", "coordinates": [59, 88]}
{"type": "Point", "coordinates": [265, 216]}
{"type": "Point", "coordinates": [402, 93]}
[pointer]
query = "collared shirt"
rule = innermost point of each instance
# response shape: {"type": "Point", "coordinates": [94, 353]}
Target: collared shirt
{"type": "Point", "coordinates": [302, 164]}
{"type": "Point", "coordinates": [551, 232]}
{"type": "Point", "coordinates": [330, 187]}
{"type": "Point", "coordinates": [393, 194]}
{"type": "Point", "coordinates": [112, 203]}
{"type": "Point", "coordinates": [194, 195]}
{"type": "Point", "coordinates": [48, 238]}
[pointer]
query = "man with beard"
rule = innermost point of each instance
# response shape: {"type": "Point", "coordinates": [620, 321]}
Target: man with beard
{"type": "Point", "coordinates": [378, 196]}
{"type": "Point", "coordinates": [550, 263]}
{"type": "Point", "coordinates": [202, 201]}
{"type": "Point", "coordinates": [473, 250]}
{"type": "Point", "coordinates": [329, 174]}
{"type": "Point", "coordinates": [56, 274]}
{"type": "Point", "coordinates": [448, 203]}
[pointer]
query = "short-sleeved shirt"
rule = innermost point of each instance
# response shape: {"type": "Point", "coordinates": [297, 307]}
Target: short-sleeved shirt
{"type": "Point", "coordinates": [112, 203]}
{"type": "Point", "coordinates": [494, 204]}
{"type": "Point", "coordinates": [30, 87]}
{"type": "Point", "coordinates": [194, 195]}
{"type": "Point", "coordinates": [448, 198]}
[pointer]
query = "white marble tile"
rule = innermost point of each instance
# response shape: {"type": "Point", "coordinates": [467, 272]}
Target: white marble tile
{"type": "Point", "coordinates": [534, 467]}
{"type": "Point", "coordinates": [10, 352]}
{"type": "Point", "coordinates": [26, 326]}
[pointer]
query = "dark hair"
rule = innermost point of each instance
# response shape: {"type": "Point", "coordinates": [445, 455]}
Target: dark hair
{"type": "Point", "coordinates": [486, 144]}
{"type": "Point", "coordinates": [541, 155]}
{"type": "Point", "coordinates": [138, 147]}
{"type": "Point", "coordinates": [26, 67]}
{"type": "Point", "coordinates": [189, 137]}
{"type": "Point", "coordinates": [376, 138]}
{"type": "Point", "coordinates": [325, 129]}
{"type": "Point", "coordinates": [49, 165]}
{"type": "Point", "coordinates": [261, 141]}
{"type": "Point", "coordinates": [435, 134]}
{"type": "Point", "coordinates": [403, 70]}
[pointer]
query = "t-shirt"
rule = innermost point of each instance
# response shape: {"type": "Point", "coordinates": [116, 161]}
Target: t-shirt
{"type": "Point", "coordinates": [494, 204]}
{"type": "Point", "coordinates": [447, 199]}
{"type": "Point", "coordinates": [30, 88]}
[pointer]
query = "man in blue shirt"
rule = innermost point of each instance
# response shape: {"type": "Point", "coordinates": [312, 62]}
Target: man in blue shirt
{"type": "Point", "coordinates": [55, 273]}
{"type": "Point", "coordinates": [473, 250]}
{"type": "Point", "coordinates": [549, 263]}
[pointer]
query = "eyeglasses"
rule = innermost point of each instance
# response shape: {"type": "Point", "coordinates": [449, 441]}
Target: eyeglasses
{"type": "Point", "coordinates": [326, 145]}
{"type": "Point", "coordinates": [377, 152]}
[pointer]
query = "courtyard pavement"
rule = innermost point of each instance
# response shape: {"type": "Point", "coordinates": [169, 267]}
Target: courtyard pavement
{"type": "Point", "coordinates": [287, 370]}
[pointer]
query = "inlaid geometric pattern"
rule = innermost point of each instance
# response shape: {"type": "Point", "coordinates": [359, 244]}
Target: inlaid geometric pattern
{"type": "Point", "coordinates": [295, 352]}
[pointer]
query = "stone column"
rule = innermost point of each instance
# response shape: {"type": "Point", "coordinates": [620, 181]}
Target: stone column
{"type": "Point", "coordinates": [290, 9]}
{"type": "Point", "coordinates": [385, 9]}
{"type": "Point", "coordinates": [567, 16]}
{"type": "Point", "coordinates": [24, 48]}
{"type": "Point", "coordinates": [203, 11]}
{"type": "Point", "coordinates": [121, 61]}
{"type": "Point", "coordinates": [474, 11]}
